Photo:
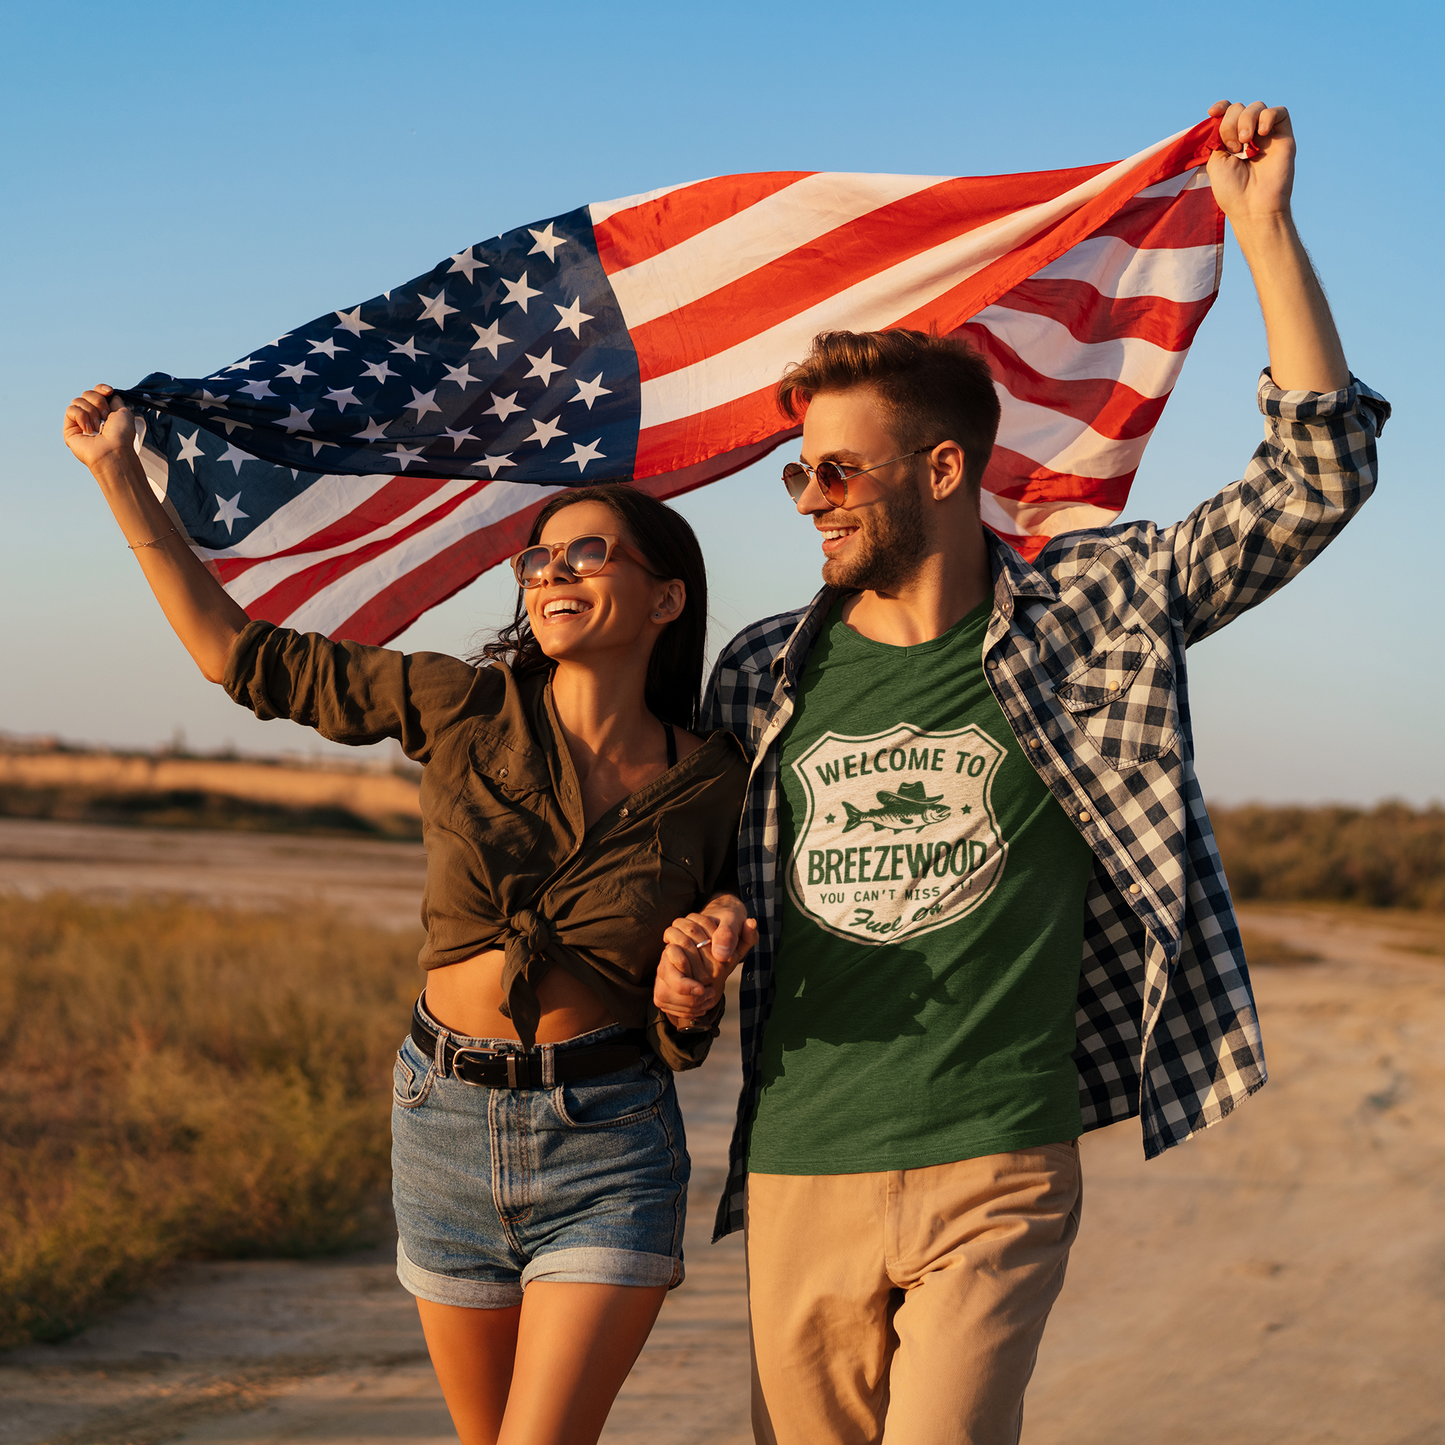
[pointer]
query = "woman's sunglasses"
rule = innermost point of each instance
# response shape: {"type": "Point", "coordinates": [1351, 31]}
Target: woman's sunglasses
{"type": "Point", "coordinates": [582, 557]}
{"type": "Point", "coordinates": [832, 477]}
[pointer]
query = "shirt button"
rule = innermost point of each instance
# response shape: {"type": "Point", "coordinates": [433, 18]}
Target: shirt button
{"type": "Point", "coordinates": [1083, 817]}
{"type": "Point", "coordinates": [993, 663]}
{"type": "Point", "coordinates": [1033, 742]}
{"type": "Point", "coordinates": [622, 812]}
{"type": "Point", "coordinates": [1133, 888]}
{"type": "Point", "coordinates": [502, 773]}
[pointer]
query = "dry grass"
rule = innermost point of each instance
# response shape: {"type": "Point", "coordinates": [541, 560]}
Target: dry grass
{"type": "Point", "coordinates": [178, 1081]}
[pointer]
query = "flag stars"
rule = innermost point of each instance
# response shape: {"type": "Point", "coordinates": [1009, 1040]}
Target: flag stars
{"type": "Point", "coordinates": [297, 421]}
{"type": "Point", "coordinates": [543, 367]}
{"type": "Point", "coordinates": [495, 464]}
{"type": "Point", "coordinates": [245, 365]}
{"type": "Point", "coordinates": [461, 376]}
{"type": "Point", "coordinates": [582, 455]}
{"type": "Point", "coordinates": [230, 512]}
{"type": "Point", "coordinates": [380, 370]}
{"type": "Point", "coordinates": [327, 348]}
{"type": "Point", "coordinates": [436, 309]}
{"type": "Point", "coordinates": [295, 372]}
{"type": "Point", "coordinates": [351, 321]}
{"type": "Point", "coordinates": [258, 389]}
{"type": "Point", "coordinates": [544, 432]}
{"type": "Point", "coordinates": [519, 293]}
{"type": "Point", "coordinates": [490, 337]}
{"type": "Point", "coordinates": [487, 298]}
{"type": "Point", "coordinates": [408, 348]}
{"type": "Point", "coordinates": [571, 317]}
{"type": "Point", "coordinates": [466, 263]}
{"type": "Point", "coordinates": [405, 456]}
{"type": "Point", "coordinates": [206, 401]}
{"type": "Point", "coordinates": [422, 402]}
{"type": "Point", "coordinates": [190, 450]}
{"type": "Point", "coordinates": [374, 431]}
{"type": "Point", "coordinates": [458, 437]}
{"type": "Point", "coordinates": [503, 406]}
{"type": "Point", "coordinates": [546, 240]}
{"type": "Point", "coordinates": [589, 391]}
{"type": "Point", "coordinates": [343, 398]}
{"type": "Point", "coordinates": [235, 456]}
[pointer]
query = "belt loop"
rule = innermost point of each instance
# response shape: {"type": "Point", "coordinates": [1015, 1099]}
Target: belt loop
{"type": "Point", "coordinates": [549, 1066]}
{"type": "Point", "coordinates": [441, 1054]}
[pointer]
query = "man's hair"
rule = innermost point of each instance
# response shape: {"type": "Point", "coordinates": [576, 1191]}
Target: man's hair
{"type": "Point", "coordinates": [933, 388]}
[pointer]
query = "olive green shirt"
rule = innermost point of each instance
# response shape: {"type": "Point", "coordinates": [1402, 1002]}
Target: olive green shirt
{"type": "Point", "coordinates": [510, 862]}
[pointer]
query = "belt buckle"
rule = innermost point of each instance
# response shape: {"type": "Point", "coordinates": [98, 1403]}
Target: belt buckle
{"type": "Point", "coordinates": [486, 1055]}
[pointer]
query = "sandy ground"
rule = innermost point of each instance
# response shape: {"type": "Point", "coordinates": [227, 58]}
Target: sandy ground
{"type": "Point", "coordinates": [1280, 1279]}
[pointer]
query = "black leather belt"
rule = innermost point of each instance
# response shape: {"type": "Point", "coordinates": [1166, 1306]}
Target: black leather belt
{"type": "Point", "coordinates": [493, 1069]}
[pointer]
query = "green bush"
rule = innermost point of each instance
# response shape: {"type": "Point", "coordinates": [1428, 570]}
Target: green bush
{"type": "Point", "coordinates": [178, 1082]}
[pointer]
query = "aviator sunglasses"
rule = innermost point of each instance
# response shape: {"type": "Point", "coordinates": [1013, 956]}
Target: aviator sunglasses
{"type": "Point", "coordinates": [832, 477]}
{"type": "Point", "coordinates": [582, 557]}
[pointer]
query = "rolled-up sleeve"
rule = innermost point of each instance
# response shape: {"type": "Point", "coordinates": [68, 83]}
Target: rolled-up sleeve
{"type": "Point", "coordinates": [355, 694]}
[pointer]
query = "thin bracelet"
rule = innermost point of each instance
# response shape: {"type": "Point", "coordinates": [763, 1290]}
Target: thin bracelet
{"type": "Point", "coordinates": [136, 546]}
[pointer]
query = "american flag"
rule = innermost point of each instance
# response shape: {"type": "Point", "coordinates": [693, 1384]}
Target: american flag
{"type": "Point", "coordinates": [358, 470]}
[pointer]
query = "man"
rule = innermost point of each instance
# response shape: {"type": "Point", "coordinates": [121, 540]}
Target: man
{"type": "Point", "coordinates": [971, 772]}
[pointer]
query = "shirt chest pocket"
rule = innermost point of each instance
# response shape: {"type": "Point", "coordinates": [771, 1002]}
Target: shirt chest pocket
{"type": "Point", "coordinates": [679, 868]}
{"type": "Point", "coordinates": [1122, 696]}
{"type": "Point", "coordinates": [502, 813]}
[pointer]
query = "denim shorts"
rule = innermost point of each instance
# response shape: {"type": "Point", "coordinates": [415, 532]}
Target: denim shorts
{"type": "Point", "coordinates": [585, 1182]}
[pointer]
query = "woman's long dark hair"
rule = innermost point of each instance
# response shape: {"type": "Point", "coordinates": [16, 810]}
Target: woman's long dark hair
{"type": "Point", "coordinates": [664, 539]}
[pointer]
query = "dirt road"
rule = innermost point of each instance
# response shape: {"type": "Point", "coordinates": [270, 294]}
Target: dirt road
{"type": "Point", "coordinates": [1279, 1279]}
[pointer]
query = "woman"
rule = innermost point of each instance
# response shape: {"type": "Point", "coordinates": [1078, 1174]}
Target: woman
{"type": "Point", "coordinates": [568, 816]}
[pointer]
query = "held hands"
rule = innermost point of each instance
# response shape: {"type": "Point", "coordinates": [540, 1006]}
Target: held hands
{"type": "Point", "coordinates": [97, 426]}
{"type": "Point", "coordinates": [702, 950]}
{"type": "Point", "coordinates": [1253, 174]}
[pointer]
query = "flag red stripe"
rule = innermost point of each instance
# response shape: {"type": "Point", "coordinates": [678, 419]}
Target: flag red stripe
{"type": "Point", "coordinates": [1021, 479]}
{"type": "Point", "coordinates": [1092, 317]}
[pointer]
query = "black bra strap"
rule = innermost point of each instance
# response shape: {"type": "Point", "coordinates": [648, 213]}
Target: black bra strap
{"type": "Point", "coordinates": [671, 745]}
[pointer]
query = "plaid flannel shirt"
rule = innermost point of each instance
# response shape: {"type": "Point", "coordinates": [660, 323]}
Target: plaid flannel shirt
{"type": "Point", "coordinates": [1085, 652]}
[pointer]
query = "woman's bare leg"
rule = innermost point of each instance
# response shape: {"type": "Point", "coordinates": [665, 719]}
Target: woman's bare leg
{"type": "Point", "coordinates": [472, 1352]}
{"type": "Point", "coordinates": [574, 1348]}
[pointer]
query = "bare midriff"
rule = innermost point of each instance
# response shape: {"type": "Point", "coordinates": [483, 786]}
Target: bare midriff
{"type": "Point", "coordinates": [466, 997]}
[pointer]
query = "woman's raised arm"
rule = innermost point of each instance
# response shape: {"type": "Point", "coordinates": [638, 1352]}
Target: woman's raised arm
{"type": "Point", "coordinates": [101, 433]}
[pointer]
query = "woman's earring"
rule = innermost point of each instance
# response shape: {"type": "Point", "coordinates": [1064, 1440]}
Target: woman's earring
{"type": "Point", "coordinates": [657, 615]}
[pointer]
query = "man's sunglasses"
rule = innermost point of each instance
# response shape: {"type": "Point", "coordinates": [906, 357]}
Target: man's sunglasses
{"type": "Point", "coordinates": [582, 557]}
{"type": "Point", "coordinates": [832, 477]}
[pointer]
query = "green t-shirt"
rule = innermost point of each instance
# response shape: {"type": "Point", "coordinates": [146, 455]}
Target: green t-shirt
{"type": "Point", "coordinates": [932, 921]}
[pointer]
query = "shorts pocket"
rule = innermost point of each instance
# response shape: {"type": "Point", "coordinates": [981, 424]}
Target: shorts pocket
{"type": "Point", "coordinates": [611, 1102]}
{"type": "Point", "coordinates": [411, 1084]}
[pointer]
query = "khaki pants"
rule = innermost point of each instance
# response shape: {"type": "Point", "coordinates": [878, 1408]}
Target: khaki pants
{"type": "Point", "coordinates": [906, 1306]}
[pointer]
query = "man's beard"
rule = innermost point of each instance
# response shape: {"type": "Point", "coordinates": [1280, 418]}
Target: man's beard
{"type": "Point", "coordinates": [888, 546]}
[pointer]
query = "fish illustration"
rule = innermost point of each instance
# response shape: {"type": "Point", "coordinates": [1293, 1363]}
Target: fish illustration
{"type": "Point", "coordinates": [907, 810]}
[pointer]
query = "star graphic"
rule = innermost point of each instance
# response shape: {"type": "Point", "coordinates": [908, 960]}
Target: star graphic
{"type": "Point", "coordinates": [258, 389]}
{"type": "Point", "coordinates": [328, 348]}
{"type": "Point", "coordinates": [351, 321]}
{"type": "Point", "coordinates": [230, 513]}
{"type": "Point", "coordinates": [543, 367]}
{"type": "Point", "coordinates": [205, 401]}
{"type": "Point", "coordinates": [277, 341]}
{"type": "Point", "coordinates": [519, 292]}
{"type": "Point", "coordinates": [582, 455]}
{"type": "Point", "coordinates": [967, 808]}
{"type": "Point", "coordinates": [831, 818]}
{"type": "Point", "coordinates": [242, 365]}
{"type": "Point", "coordinates": [190, 449]}
{"type": "Point", "coordinates": [544, 432]}
{"type": "Point", "coordinates": [422, 402]}
{"type": "Point", "coordinates": [589, 391]}
{"type": "Point", "coordinates": [235, 456]}
{"type": "Point", "coordinates": [408, 348]}
{"type": "Point", "coordinates": [458, 437]}
{"type": "Point", "coordinates": [295, 372]}
{"type": "Point", "coordinates": [571, 317]}
{"type": "Point", "coordinates": [503, 406]}
{"type": "Point", "coordinates": [436, 308]}
{"type": "Point", "coordinates": [232, 425]}
{"type": "Point", "coordinates": [404, 457]}
{"type": "Point", "coordinates": [316, 445]}
{"type": "Point", "coordinates": [466, 263]}
{"type": "Point", "coordinates": [490, 336]}
{"type": "Point", "coordinates": [343, 398]}
{"type": "Point", "coordinates": [547, 241]}
{"type": "Point", "coordinates": [495, 464]}
{"type": "Point", "coordinates": [487, 298]}
{"type": "Point", "coordinates": [380, 370]}
{"type": "Point", "coordinates": [298, 420]}
{"type": "Point", "coordinates": [461, 375]}
{"type": "Point", "coordinates": [375, 431]}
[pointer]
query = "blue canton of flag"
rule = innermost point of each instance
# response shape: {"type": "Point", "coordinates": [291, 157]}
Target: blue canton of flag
{"type": "Point", "coordinates": [507, 360]}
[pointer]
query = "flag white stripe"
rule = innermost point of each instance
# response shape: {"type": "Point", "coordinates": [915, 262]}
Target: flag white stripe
{"type": "Point", "coordinates": [1052, 350]}
{"type": "Point", "coordinates": [870, 305]}
{"type": "Point", "coordinates": [601, 210]}
{"type": "Point", "coordinates": [1061, 442]}
{"type": "Point", "coordinates": [1018, 519]}
{"type": "Point", "coordinates": [754, 238]}
{"type": "Point", "coordinates": [1117, 269]}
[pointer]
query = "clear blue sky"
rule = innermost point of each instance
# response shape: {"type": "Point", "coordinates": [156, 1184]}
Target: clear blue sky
{"type": "Point", "coordinates": [181, 182]}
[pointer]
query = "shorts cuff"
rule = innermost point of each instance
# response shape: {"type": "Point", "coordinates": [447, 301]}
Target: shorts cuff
{"type": "Point", "coordinates": [604, 1266]}
{"type": "Point", "coordinates": [446, 1289]}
